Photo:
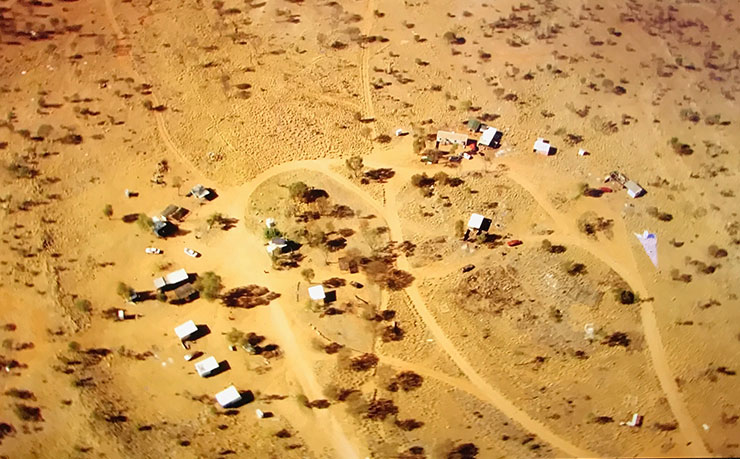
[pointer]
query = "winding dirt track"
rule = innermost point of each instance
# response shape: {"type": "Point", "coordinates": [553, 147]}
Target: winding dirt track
{"type": "Point", "coordinates": [390, 213]}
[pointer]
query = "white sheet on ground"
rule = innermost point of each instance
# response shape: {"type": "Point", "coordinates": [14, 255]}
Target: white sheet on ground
{"type": "Point", "coordinates": [649, 242]}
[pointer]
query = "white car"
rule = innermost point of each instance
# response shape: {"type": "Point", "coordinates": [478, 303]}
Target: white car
{"type": "Point", "coordinates": [153, 250]}
{"type": "Point", "coordinates": [191, 252]}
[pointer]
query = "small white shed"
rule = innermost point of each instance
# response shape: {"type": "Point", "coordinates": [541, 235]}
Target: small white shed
{"type": "Point", "coordinates": [185, 330]}
{"type": "Point", "coordinates": [489, 137]}
{"type": "Point", "coordinates": [228, 396]}
{"type": "Point", "coordinates": [476, 220]}
{"type": "Point", "coordinates": [316, 292]}
{"type": "Point", "coordinates": [542, 147]}
{"type": "Point", "coordinates": [633, 189]}
{"type": "Point", "coordinates": [206, 367]}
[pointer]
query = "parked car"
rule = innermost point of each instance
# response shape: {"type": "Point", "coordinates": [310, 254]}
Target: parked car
{"type": "Point", "coordinates": [191, 252]}
{"type": "Point", "coordinates": [514, 243]}
{"type": "Point", "coordinates": [153, 250]}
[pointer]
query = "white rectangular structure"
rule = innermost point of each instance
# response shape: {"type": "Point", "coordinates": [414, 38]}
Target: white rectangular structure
{"type": "Point", "coordinates": [228, 396]}
{"type": "Point", "coordinates": [476, 221]}
{"type": "Point", "coordinates": [633, 189]}
{"type": "Point", "coordinates": [542, 147]}
{"type": "Point", "coordinates": [185, 330]}
{"type": "Point", "coordinates": [176, 276]}
{"type": "Point", "coordinates": [316, 292]}
{"type": "Point", "coordinates": [206, 367]}
{"type": "Point", "coordinates": [447, 137]}
{"type": "Point", "coordinates": [488, 136]}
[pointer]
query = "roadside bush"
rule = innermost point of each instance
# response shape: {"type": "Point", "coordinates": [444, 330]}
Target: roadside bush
{"type": "Point", "coordinates": [271, 232]}
{"type": "Point", "coordinates": [28, 413]}
{"type": "Point", "coordinates": [108, 210]}
{"type": "Point", "coordinates": [363, 362]}
{"type": "Point", "coordinates": [83, 305]}
{"type": "Point", "coordinates": [209, 285]}
{"type": "Point", "coordinates": [124, 290]}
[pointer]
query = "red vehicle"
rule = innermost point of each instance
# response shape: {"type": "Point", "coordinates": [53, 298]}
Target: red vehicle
{"type": "Point", "coordinates": [605, 189]}
{"type": "Point", "coordinates": [514, 243]}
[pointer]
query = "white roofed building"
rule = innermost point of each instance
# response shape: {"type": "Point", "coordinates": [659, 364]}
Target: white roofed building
{"type": "Point", "coordinates": [206, 367]}
{"type": "Point", "coordinates": [543, 147]}
{"type": "Point", "coordinates": [447, 137]}
{"type": "Point", "coordinates": [490, 137]}
{"type": "Point", "coordinates": [317, 292]}
{"type": "Point", "coordinates": [184, 331]}
{"type": "Point", "coordinates": [228, 396]}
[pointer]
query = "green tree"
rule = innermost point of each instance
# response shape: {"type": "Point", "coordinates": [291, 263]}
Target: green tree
{"type": "Point", "coordinates": [108, 210]}
{"type": "Point", "coordinates": [209, 285]}
{"type": "Point", "coordinates": [308, 274]}
{"type": "Point", "coordinates": [272, 232]}
{"type": "Point", "coordinates": [124, 290]}
{"type": "Point", "coordinates": [297, 190]}
{"type": "Point", "coordinates": [144, 222]}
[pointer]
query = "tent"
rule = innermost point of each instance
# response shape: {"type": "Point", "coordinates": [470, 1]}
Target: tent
{"type": "Point", "coordinates": [206, 367]}
{"type": "Point", "coordinates": [185, 330]}
{"type": "Point", "coordinates": [228, 396]}
{"type": "Point", "coordinates": [649, 242]}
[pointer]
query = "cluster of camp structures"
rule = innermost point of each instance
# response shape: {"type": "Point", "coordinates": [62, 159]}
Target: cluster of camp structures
{"type": "Point", "coordinates": [165, 224]}
{"type": "Point", "coordinates": [490, 137]}
{"type": "Point", "coordinates": [209, 366]}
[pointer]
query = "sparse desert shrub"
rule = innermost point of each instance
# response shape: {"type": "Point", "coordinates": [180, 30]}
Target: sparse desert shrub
{"type": "Point", "coordinates": [716, 252]}
{"type": "Point", "coordinates": [422, 180]}
{"type": "Point", "coordinates": [556, 314]}
{"type": "Point", "coordinates": [297, 190]}
{"type": "Point", "coordinates": [21, 394]}
{"type": "Point", "coordinates": [383, 138]}
{"type": "Point", "coordinates": [209, 285]}
{"type": "Point", "coordinates": [680, 148]}
{"type": "Point", "coordinates": [124, 290]}
{"type": "Point", "coordinates": [617, 339]}
{"type": "Point", "coordinates": [235, 336]}
{"type": "Point", "coordinates": [406, 381]}
{"type": "Point", "coordinates": [73, 346]}
{"type": "Point", "coordinates": [21, 170]}
{"type": "Point", "coordinates": [408, 424]}
{"type": "Point", "coordinates": [574, 269]}
{"type": "Point", "coordinates": [625, 296]}
{"type": "Point", "coordinates": [144, 222]}
{"type": "Point", "coordinates": [28, 413]}
{"type": "Point", "coordinates": [688, 114]}
{"type": "Point", "coordinates": [332, 348]}
{"type": "Point", "coordinates": [363, 362]}
{"type": "Point", "coordinates": [83, 305]}
{"type": "Point", "coordinates": [459, 228]}
{"type": "Point", "coordinates": [308, 274]}
{"type": "Point", "coordinates": [108, 210]}
{"type": "Point", "coordinates": [392, 333]}
{"type": "Point", "coordinates": [381, 408]}
{"type": "Point", "coordinates": [464, 451]}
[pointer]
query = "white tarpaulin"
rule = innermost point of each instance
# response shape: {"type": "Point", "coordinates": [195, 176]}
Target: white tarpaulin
{"type": "Point", "coordinates": [649, 242]}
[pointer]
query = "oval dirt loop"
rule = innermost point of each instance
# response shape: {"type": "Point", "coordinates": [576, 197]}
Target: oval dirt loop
{"type": "Point", "coordinates": [389, 212]}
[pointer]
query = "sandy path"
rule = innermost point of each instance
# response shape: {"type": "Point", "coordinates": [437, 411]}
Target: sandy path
{"type": "Point", "coordinates": [299, 363]}
{"type": "Point", "coordinates": [687, 426]}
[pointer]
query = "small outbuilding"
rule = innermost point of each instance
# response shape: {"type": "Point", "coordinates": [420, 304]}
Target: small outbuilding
{"type": "Point", "coordinates": [186, 330]}
{"type": "Point", "coordinates": [206, 367]}
{"type": "Point", "coordinates": [479, 222]}
{"type": "Point", "coordinates": [633, 189]}
{"type": "Point", "coordinates": [543, 147]}
{"type": "Point", "coordinates": [317, 293]}
{"type": "Point", "coordinates": [200, 192]}
{"type": "Point", "coordinates": [491, 137]}
{"type": "Point", "coordinates": [171, 279]}
{"type": "Point", "coordinates": [228, 397]}
{"type": "Point", "coordinates": [163, 228]}
{"type": "Point", "coordinates": [277, 244]}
